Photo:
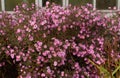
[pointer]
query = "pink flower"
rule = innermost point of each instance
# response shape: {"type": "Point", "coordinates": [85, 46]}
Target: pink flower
{"type": "Point", "coordinates": [98, 62]}
{"type": "Point", "coordinates": [43, 22]}
{"type": "Point", "coordinates": [20, 20]}
{"type": "Point", "coordinates": [44, 35]}
{"type": "Point", "coordinates": [45, 46]}
{"type": "Point", "coordinates": [62, 73]}
{"type": "Point", "coordinates": [55, 63]}
{"type": "Point", "coordinates": [12, 56]}
{"type": "Point", "coordinates": [28, 29]}
{"type": "Point", "coordinates": [39, 43]}
{"type": "Point", "coordinates": [23, 5]}
{"type": "Point", "coordinates": [18, 58]}
{"type": "Point", "coordinates": [35, 27]}
{"type": "Point", "coordinates": [44, 54]}
{"type": "Point", "coordinates": [31, 38]}
{"type": "Point", "coordinates": [18, 31]}
{"type": "Point", "coordinates": [32, 23]}
{"type": "Point", "coordinates": [61, 54]}
{"type": "Point", "coordinates": [28, 75]}
{"type": "Point", "coordinates": [24, 58]}
{"type": "Point", "coordinates": [43, 74]}
{"type": "Point", "coordinates": [47, 3]}
{"type": "Point", "coordinates": [19, 38]}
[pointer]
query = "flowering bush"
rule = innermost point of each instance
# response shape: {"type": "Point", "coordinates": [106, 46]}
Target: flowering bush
{"type": "Point", "coordinates": [56, 42]}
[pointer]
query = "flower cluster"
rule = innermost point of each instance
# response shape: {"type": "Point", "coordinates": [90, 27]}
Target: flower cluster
{"type": "Point", "coordinates": [56, 42]}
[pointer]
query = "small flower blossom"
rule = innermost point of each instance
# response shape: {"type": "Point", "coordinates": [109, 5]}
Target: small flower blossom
{"type": "Point", "coordinates": [42, 75]}
{"type": "Point", "coordinates": [19, 38]}
{"type": "Point", "coordinates": [55, 63]}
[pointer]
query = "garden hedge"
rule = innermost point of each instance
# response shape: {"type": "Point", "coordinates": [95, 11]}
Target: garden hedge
{"type": "Point", "coordinates": [57, 42]}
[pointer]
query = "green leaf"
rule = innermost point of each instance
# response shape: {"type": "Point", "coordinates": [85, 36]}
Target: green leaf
{"type": "Point", "coordinates": [100, 67]}
{"type": "Point", "coordinates": [115, 71]}
{"type": "Point", "coordinates": [103, 70]}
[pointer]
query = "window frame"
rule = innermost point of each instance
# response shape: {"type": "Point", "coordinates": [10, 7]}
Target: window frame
{"type": "Point", "coordinates": [2, 5]}
{"type": "Point", "coordinates": [65, 3]}
{"type": "Point", "coordinates": [118, 4]}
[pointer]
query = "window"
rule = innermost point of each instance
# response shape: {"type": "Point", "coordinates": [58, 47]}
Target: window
{"type": "Point", "coordinates": [9, 5]}
{"type": "Point", "coordinates": [59, 2]}
{"type": "Point", "coordinates": [105, 4]}
{"type": "Point", "coordinates": [97, 4]}
{"type": "Point", "coordinates": [80, 2]}
{"type": "Point", "coordinates": [31, 1]}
